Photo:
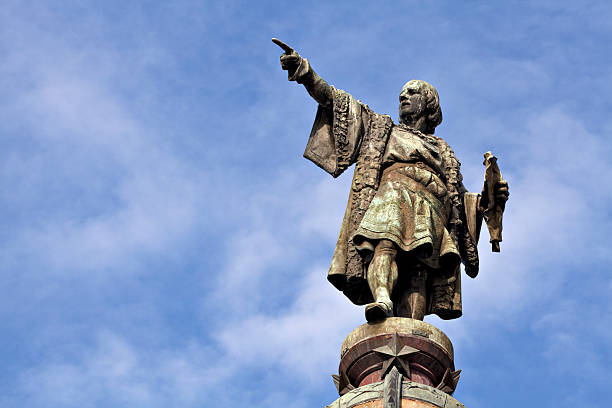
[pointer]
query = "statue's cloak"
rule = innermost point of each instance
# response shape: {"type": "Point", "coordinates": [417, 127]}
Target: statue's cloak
{"type": "Point", "coordinates": [349, 132]}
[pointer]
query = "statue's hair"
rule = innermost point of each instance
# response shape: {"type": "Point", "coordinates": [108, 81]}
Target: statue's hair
{"type": "Point", "coordinates": [434, 113]}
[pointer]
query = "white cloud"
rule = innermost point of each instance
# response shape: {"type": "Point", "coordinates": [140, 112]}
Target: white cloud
{"type": "Point", "coordinates": [139, 196]}
{"type": "Point", "coordinates": [114, 371]}
{"type": "Point", "coordinates": [111, 370]}
{"type": "Point", "coordinates": [303, 339]}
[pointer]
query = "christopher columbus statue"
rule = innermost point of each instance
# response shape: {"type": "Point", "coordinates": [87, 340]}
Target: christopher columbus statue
{"type": "Point", "coordinates": [409, 222]}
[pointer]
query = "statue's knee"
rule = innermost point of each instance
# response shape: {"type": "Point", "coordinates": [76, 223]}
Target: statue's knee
{"type": "Point", "coordinates": [385, 247]}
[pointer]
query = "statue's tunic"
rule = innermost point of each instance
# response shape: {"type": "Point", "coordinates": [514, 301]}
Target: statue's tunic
{"type": "Point", "coordinates": [406, 188]}
{"type": "Point", "coordinates": [412, 206]}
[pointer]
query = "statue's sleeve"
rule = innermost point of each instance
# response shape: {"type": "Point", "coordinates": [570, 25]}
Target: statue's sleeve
{"type": "Point", "coordinates": [336, 134]}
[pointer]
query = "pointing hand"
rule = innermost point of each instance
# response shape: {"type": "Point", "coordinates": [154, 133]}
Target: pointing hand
{"type": "Point", "coordinates": [290, 60]}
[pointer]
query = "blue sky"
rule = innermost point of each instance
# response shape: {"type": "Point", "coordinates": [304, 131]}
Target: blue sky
{"type": "Point", "coordinates": [165, 244]}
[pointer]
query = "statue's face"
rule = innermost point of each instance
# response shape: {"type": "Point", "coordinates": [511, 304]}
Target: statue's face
{"type": "Point", "coordinates": [413, 103]}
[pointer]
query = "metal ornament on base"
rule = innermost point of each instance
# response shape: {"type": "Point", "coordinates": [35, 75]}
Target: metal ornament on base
{"type": "Point", "coordinates": [384, 364]}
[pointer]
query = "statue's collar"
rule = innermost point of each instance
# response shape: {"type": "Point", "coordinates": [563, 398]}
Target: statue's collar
{"type": "Point", "coordinates": [430, 138]}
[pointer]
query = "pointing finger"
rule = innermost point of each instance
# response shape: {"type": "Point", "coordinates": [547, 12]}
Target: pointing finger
{"type": "Point", "coordinates": [285, 47]}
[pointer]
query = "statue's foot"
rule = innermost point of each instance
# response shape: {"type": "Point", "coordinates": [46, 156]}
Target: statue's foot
{"type": "Point", "coordinates": [378, 311]}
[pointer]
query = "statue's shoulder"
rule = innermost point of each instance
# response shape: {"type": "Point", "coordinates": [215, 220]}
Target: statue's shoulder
{"type": "Point", "coordinates": [442, 142]}
{"type": "Point", "coordinates": [366, 108]}
{"type": "Point", "coordinates": [439, 138]}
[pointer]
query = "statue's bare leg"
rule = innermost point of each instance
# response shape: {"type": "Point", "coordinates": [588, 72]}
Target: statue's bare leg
{"type": "Point", "coordinates": [382, 277]}
{"type": "Point", "coordinates": [413, 302]}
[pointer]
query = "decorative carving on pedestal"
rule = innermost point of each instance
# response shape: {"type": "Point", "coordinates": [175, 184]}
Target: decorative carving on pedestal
{"type": "Point", "coordinates": [413, 395]}
{"type": "Point", "coordinates": [396, 355]}
{"type": "Point", "coordinates": [392, 389]}
{"type": "Point", "coordinates": [395, 350]}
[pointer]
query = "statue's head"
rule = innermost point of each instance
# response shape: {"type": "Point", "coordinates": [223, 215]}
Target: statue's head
{"type": "Point", "coordinates": [420, 99]}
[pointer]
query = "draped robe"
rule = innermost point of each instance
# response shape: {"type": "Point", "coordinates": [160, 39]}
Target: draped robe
{"type": "Point", "coordinates": [349, 132]}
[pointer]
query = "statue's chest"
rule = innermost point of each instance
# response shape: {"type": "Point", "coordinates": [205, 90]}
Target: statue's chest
{"type": "Point", "coordinates": [406, 146]}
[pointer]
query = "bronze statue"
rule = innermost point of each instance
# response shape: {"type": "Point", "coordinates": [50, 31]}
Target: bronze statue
{"type": "Point", "coordinates": [409, 221]}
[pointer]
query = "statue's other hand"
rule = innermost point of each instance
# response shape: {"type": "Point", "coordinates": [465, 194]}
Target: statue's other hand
{"type": "Point", "coordinates": [501, 191]}
{"type": "Point", "coordinates": [290, 60]}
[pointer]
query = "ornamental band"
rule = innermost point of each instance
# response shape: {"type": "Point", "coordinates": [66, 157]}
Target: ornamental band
{"type": "Point", "coordinates": [409, 222]}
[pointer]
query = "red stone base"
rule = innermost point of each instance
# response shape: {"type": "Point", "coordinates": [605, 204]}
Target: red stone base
{"type": "Point", "coordinates": [421, 352]}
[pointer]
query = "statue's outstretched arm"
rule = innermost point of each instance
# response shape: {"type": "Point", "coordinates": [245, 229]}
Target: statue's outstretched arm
{"type": "Point", "coordinates": [299, 70]}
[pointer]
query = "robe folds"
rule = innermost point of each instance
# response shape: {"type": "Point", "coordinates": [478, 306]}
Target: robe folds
{"type": "Point", "coordinates": [425, 210]}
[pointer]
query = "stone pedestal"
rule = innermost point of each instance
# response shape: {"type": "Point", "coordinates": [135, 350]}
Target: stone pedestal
{"type": "Point", "coordinates": [413, 395]}
{"type": "Point", "coordinates": [398, 362]}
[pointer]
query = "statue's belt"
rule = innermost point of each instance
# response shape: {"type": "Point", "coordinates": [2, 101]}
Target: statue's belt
{"type": "Point", "coordinates": [419, 172]}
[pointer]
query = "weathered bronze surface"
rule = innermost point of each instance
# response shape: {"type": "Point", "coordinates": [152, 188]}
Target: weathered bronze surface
{"type": "Point", "coordinates": [409, 221]}
{"type": "Point", "coordinates": [398, 325]}
{"type": "Point", "coordinates": [412, 395]}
